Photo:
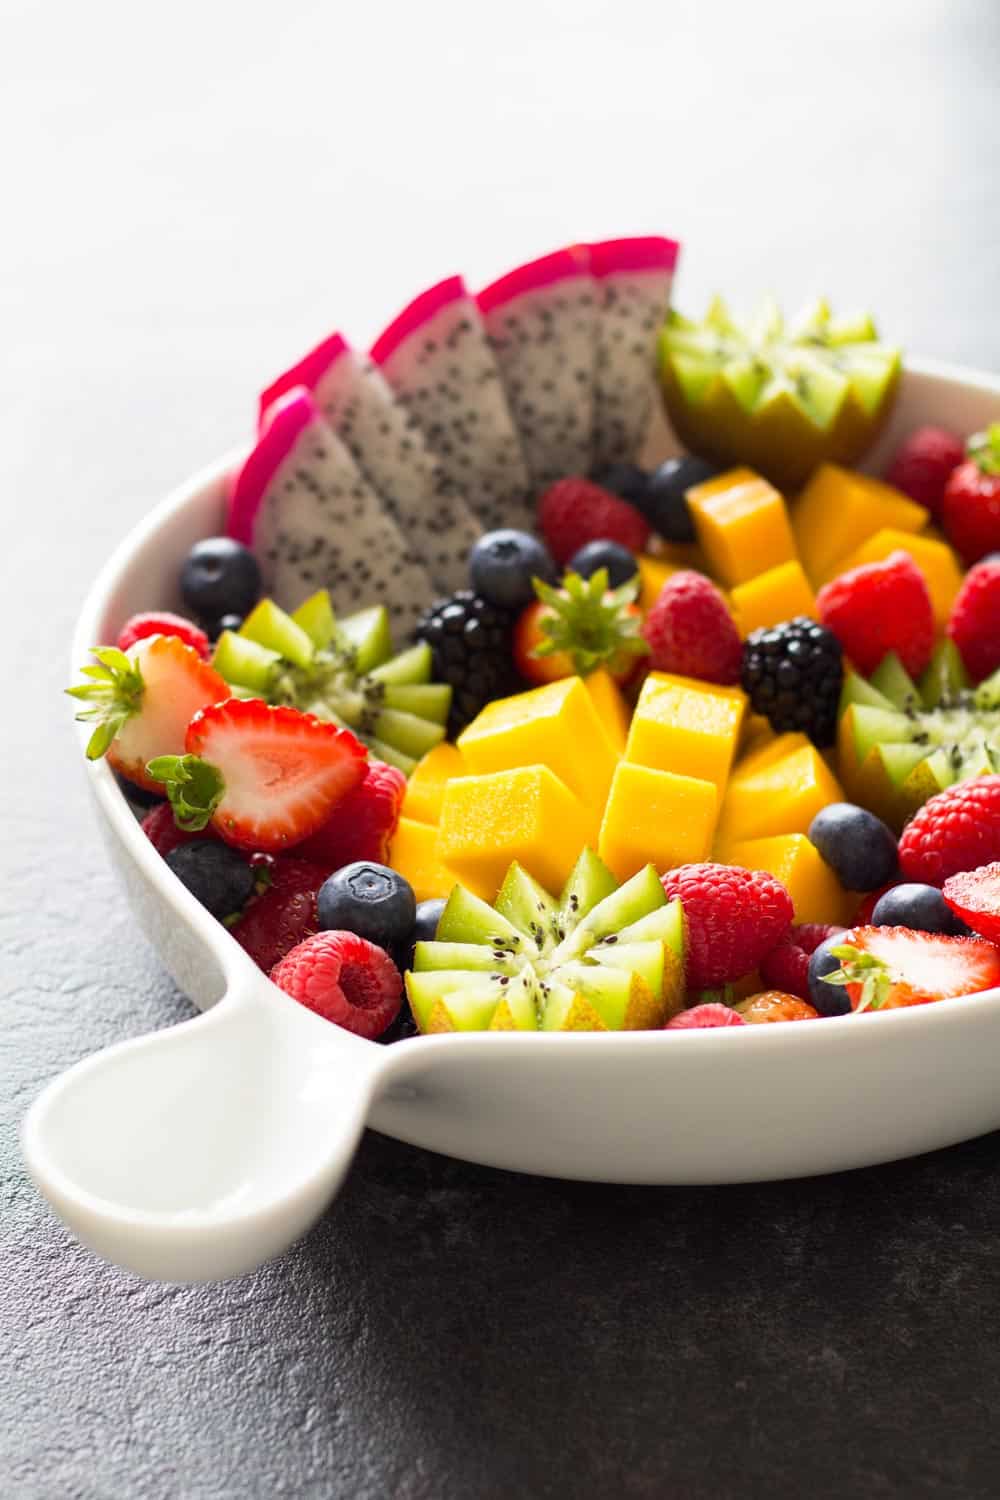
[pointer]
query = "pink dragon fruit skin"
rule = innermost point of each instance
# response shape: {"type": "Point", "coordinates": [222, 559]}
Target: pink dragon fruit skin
{"type": "Point", "coordinates": [436, 357]}
{"type": "Point", "coordinates": [388, 448]}
{"type": "Point", "coordinates": [633, 279]}
{"type": "Point", "coordinates": [313, 521]}
{"type": "Point", "coordinates": [542, 324]}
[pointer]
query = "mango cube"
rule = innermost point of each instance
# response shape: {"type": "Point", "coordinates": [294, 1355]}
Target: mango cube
{"type": "Point", "coordinates": [816, 893]}
{"type": "Point", "coordinates": [778, 790]}
{"type": "Point", "coordinates": [688, 727]}
{"type": "Point", "coordinates": [612, 709]}
{"type": "Point", "coordinates": [742, 525]}
{"type": "Point", "coordinates": [414, 853]}
{"type": "Point", "coordinates": [779, 594]}
{"type": "Point", "coordinates": [656, 816]}
{"type": "Point", "coordinates": [839, 509]}
{"type": "Point", "coordinates": [425, 788]}
{"type": "Point", "coordinates": [653, 574]}
{"type": "Point", "coordinates": [526, 814]}
{"type": "Point", "coordinates": [936, 560]}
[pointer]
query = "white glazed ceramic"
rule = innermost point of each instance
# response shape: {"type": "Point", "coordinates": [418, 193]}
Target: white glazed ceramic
{"type": "Point", "coordinates": [201, 1151]}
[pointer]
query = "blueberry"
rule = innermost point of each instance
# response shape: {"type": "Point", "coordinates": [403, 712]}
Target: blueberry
{"type": "Point", "coordinates": [403, 1027]}
{"type": "Point", "coordinates": [216, 874]}
{"type": "Point", "coordinates": [371, 900]}
{"type": "Point", "coordinates": [429, 914]}
{"type": "Point", "coordinates": [225, 622]}
{"type": "Point", "coordinates": [829, 999]}
{"type": "Point", "coordinates": [859, 848]}
{"type": "Point", "coordinates": [921, 907]}
{"type": "Point", "coordinates": [502, 565]}
{"type": "Point", "coordinates": [625, 480]}
{"type": "Point", "coordinates": [664, 504]}
{"type": "Point", "coordinates": [220, 577]}
{"type": "Point", "coordinates": [618, 560]}
{"type": "Point", "coordinates": [140, 796]}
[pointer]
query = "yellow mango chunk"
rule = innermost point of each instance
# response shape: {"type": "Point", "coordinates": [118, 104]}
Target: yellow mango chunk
{"type": "Point", "coordinates": [556, 726]}
{"type": "Point", "coordinates": [936, 560]}
{"type": "Point", "coordinates": [414, 853]}
{"type": "Point", "coordinates": [685, 726]}
{"type": "Point", "coordinates": [779, 594]}
{"type": "Point", "coordinates": [756, 756]}
{"type": "Point", "coordinates": [816, 893]}
{"type": "Point", "coordinates": [526, 814]}
{"type": "Point", "coordinates": [780, 793]}
{"type": "Point", "coordinates": [755, 734]}
{"type": "Point", "coordinates": [425, 788]}
{"type": "Point", "coordinates": [653, 574]}
{"type": "Point", "coordinates": [612, 709]}
{"type": "Point", "coordinates": [656, 816]}
{"type": "Point", "coordinates": [839, 509]}
{"type": "Point", "coordinates": [742, 525]}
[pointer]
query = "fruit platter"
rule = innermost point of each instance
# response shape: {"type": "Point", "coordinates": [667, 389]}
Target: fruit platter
{"type": "Point", "coordinates": [560, 683]}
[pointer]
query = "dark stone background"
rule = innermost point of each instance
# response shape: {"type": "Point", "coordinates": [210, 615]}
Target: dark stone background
{"type": "Point", "coordinates": [189, 200]}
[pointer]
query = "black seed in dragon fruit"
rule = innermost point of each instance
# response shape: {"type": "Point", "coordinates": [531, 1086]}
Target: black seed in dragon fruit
{"type": "Point", "coordinates": [438, 361]}
{"type": "Point", "coordinates": [542, 324]}
{"type": "Point", "coordinates": [633, 279]}
{"type": "Point", "coordinates": [313, 521]}
{"type": "Point", "coordinates": [387, 446]}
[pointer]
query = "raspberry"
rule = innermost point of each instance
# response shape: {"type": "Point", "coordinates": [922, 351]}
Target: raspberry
{"type": "Point", "coordinates": [878, 608]}
{"type": "Point", "coordinates": [689, 630]}
{"type": "Point", "coordinates": [162, 622]}
{"type": "Point", "coordinates": [345, 979]}
{"type": "Point", "coordinates": [700, 1017]}
{"type": "Point", "coordinates": [360, 826]}
{"type": "Point", "coordinates": [786, 967]}
{"type": "Point", "coordinates": [776, 1005]}
{"type": "Point", "coordinates": [159, 827]}
{"type": "Point", "coordinates": [923, 465]}
{"type": "Point", "coordinates": [957, 830]}
{"type": "Point", "coordinates": [974, 625]}
{"type": "Point", "coordinates": [284, 914]}
{"type": "Point", "coordinates": [573, 512]}
{"type": "Point", "coordinates": [974, 897]}
{"type": "Point", "coordinates": [970, 511]}
{"type": "Point", "coordinates": [734, 917]}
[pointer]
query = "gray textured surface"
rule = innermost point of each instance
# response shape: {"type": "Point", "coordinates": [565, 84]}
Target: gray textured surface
{"type": "Point", "coordinates": [187, 203]}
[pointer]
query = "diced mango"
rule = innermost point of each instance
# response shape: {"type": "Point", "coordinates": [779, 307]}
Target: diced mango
{"type": "Point", "coordinates": [839, 509]}
{"type": "Point", "coordinates": [936, 560]}
{"type": "Point", "coordinates": [755, 757]}
{"type": "Point", "coordinates": [755, 734]}
{"type": "Point", "coordinates": [780, 793]}
{"type": "Point", "coordinates": [612, 709]}
{"type": "Point", "coordinates": [779, 594]}
{"type": "Point", "coordinates": [425, 788]}
{"type": "Point", "coordinates": [816, 893]}
{"type": "Point", "coordinates": [653, 574]}
{"type": "Point", "coordinates": [556, 726]}
{"type": "Point", "coordinates": [414, 853]}
{"type": "Point", "coordinates": [656, 816]}
{"type": "Point", "coordinates": [526, 814]}
{"type": "Point", "coordinates": [685, 726]}
{"type": "Point", "coordinates": [742, 525]}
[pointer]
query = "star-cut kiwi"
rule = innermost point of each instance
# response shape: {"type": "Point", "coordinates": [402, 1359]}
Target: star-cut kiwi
{"type": "Point", "coordinates": [781, 398]}
{"type": "Point", "coordinates": [600, 957]}
{"type": "Point", "coordinates": [900, 742]}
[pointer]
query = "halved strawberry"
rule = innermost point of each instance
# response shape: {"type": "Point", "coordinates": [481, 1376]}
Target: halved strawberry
{"type": "Point", "coordinates": [885, 967]}
{"type": "Point", "coordinates": [974, 896]}
{"type": "Point", "coordinates": [264, 777]}
{"type": "Point", "coordinates": [142, 701]}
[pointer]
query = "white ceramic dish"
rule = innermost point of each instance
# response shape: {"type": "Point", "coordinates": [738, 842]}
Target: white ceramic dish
{"type": "Point", "coordinates": [203, 1150]}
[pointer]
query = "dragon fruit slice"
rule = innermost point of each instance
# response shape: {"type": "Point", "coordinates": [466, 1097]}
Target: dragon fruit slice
{"type": "Point", "coordinates": [542, 323]}
{"type": "Point", "coordinates": [313, 520]}
{"type": "Point", "coordinates": [388, 448]}
{"type": "Point", "coordinates": [633, 280]}
{"type": "Point", "coordinates": [438, 361]}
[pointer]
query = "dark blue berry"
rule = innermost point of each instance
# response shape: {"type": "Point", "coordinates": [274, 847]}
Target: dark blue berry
{"type": "Point", "coordinates": [403, 1027]}
{"type": "Point", "coordinates": [224, 622]}
{"type": "Point", "coordinates": [218, 875]}
{"type": "Point", "coordinates": [369, 899]}
{"type": "Point", "coordinates": [664, 504]}
{"type": "Point", "coordinates": [140, 796]}
{"type": "Point", "coordinates": [627, 481]}
{"type": "Point", "coordinates": [920, 907]}
{"type": "Point", "coordinates": [828, 999]}
{"type": "Point", "coordinates": [503, 563]}
{"type": "Point", "coordinates": [428, 916]}
{"type": "Point", "coordinates": [220, 577]}
{"type": "Point", "coordinates": [618, 560]}
{"type": "Point", "coordinates": [859, 848]}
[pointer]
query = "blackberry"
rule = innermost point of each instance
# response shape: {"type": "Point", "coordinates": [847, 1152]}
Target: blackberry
{"type": "Point", "coordinates": [471, 642]}
{"type": "Point", "coordinates": [793, 675]}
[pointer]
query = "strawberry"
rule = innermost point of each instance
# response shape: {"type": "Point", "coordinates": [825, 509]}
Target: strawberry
{"type": "Point", "coordinates": [974, 624]}
{"type": "Point", "coordinates": [702, 1017]}
{"type": "Point", "coordinates": [579, 626]}
{"type": "Point", "coordinates": [970, 510]}
{"type": "Point", "coordinates": [284, 914]}
{"type": "Point", "coordinates": [974, 897]}
{"type": "Point", "coordinates": [142, 701]}
{"type": "Point", "coordinates": [162, 622]}
{"type": "Point", "coordinates": [345, 979]}
{"type": "Point", "coordinates": [923, 464]}
{"type": "Point", "coordinates": [881, 607]}
{"type": "Point", "coordinates": [957, 830]}
{"type": "Point", "coordinates": [162, 831]}
{"type": "Point", "coordinates": [883, 968]}
{"type": "Point", "coordinates": [786, 967]}
{"type": "Point", "coordinates": [733, 916]}
{"type": "Point", "coordinates": [573, 512]}
{"type": "Point", "coordinates": [775, 1005]}
{"type": "Point", "coordinates": [362, 824]}
{"type": "Point", "coordinates": [265, 778]}
{"type": "Point", "coordinates": [689, 630]}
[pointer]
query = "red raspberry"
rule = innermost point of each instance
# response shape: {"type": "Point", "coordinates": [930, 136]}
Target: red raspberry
{"type": "Point", "coordinates": [360, 826]}
{"type": "Point", "coordinates": [970, 511]}
{"type": "Point", "coordinates": [923, 465]}
{"type": "Point", "coordinates": [974, 625]}
{"type": "Point", "coordinates": [957, 830]}
{"type": "Point", "coordinates": [974, 897]}
{"type": "Point", "coordinates": [345, 979]}
{"type": "Point", "coordinates": [282, 915]}
{"type": "Point", "coordinates": [878, 608]}
{"type": "Point", "coordinates": [159, 827]}
{"type": "Point", "coordinates": [162, 622]}
{"type": "Point", "coordinates": [786, 967]}
{"type": "Point", "coordinates": [689, 630]}
{"type": "Point", "coordinates": [573, 512]}
{"type": "Point", "coordinates": [700, 1017]}
{"type": "Point", "coordinates": [734, 917]}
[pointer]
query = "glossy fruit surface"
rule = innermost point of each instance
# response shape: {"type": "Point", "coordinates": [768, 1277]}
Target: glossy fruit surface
{"type": "Point", "coordinates": [219, 577]}
{"type": "Point", "coordinates": [858, 846]}
{"type": "Point", "coordinates": [503, 565]}
{"type": "Point", "coordinates": [216, 875]}
{"type": "Point", "coordinates": [371, 900]}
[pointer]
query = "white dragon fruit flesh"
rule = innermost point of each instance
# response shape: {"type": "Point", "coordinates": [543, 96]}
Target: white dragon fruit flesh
{"type": "Point", "coordinates": [633, 279]}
